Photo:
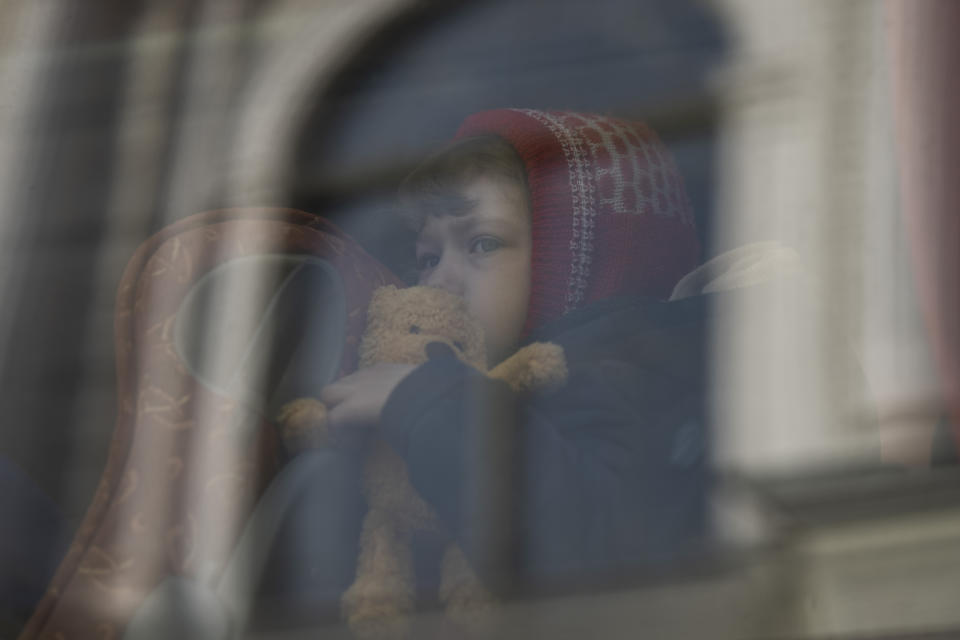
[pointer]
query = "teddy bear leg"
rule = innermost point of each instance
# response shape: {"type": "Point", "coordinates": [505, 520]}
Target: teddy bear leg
{"type": "Point", "coordinates": [468, 603]}
{"type": "Point", "coordinates": [378, 603]}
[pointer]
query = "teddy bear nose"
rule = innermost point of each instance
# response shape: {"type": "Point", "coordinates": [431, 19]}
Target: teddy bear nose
{"type": "Point", "coordinates": [414, 329]}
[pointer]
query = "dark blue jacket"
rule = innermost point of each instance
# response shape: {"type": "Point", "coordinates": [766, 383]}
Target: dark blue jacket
{"type": "Point", "coordinates": [605, 476]}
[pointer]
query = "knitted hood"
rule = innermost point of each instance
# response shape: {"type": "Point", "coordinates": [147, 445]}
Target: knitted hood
{"type": "Point", "coordinates": [609, 213]}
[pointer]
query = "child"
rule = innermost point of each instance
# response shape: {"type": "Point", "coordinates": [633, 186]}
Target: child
{"type": "Point", "coordinates": [561, 227]}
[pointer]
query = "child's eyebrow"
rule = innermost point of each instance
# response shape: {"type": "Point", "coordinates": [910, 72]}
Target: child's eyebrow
{"type": "Point", "coordinates": [469, 222]}
{"type": "Point", "coordinates": [447, 204]}
{"type": "Point", "coordinates": [466, 224]}
{"type": "Point", "coordinates": [495, 218]}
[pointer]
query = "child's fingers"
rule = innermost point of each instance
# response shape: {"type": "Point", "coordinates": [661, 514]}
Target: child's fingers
{"type": "Point", "coordinates": [346, 387]}
{"type": "Point", "coordinates": [341, 416]}
{"type": "Point", "coordinates": [350, 416]}
{"type": "Point", "coordinates": [346, 426]}
{"type": "Point", "coordinates": [357, 400]}
{"type": "Point", "coordinates": [334, 394]}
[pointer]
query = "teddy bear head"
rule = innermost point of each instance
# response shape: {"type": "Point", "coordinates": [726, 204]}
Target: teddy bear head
{"type": "Point", "coordinates": [402, 322]}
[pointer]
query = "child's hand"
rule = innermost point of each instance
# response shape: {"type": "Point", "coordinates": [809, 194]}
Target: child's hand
{"type": "Point", "coordinates": [356, 401]}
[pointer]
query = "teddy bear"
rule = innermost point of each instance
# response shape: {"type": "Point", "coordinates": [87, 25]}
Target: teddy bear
{"type": "Point", "coordinates": [401, 323]}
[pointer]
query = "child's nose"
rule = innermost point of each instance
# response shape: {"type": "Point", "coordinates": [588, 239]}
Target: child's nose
{"type": "Point", "coordinates": [447, 276]}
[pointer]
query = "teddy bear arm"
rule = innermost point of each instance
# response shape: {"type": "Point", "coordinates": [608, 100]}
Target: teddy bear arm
{"type": "Point", "coordinates": [303, 424]}
{"type": "Point", "coordinates": [541, 365]}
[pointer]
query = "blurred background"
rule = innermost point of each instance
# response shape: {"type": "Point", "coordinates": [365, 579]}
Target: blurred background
{"type": "Point", "coordinates": [820, 128]}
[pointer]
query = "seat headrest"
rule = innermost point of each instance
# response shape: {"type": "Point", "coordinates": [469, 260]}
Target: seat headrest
{"type": "Point", "coordinates": [264, 329]}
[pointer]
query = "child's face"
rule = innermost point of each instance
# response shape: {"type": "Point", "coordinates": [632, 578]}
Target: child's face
{"type": "Point", "coordinates": [484, 257]}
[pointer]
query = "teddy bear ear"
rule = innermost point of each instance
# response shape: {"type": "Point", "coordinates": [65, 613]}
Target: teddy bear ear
{"type": "Point", "coordinates": [381, 297]}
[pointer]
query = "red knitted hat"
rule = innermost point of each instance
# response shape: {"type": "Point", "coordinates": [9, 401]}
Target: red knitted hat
{"type": "Point", "coordinates": [609, 213]}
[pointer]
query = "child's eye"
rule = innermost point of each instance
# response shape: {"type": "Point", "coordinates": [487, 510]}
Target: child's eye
{"type": "Point", "coordinates": [427, 261]}
{"type": "Point", "coordinates": [485, 244]}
